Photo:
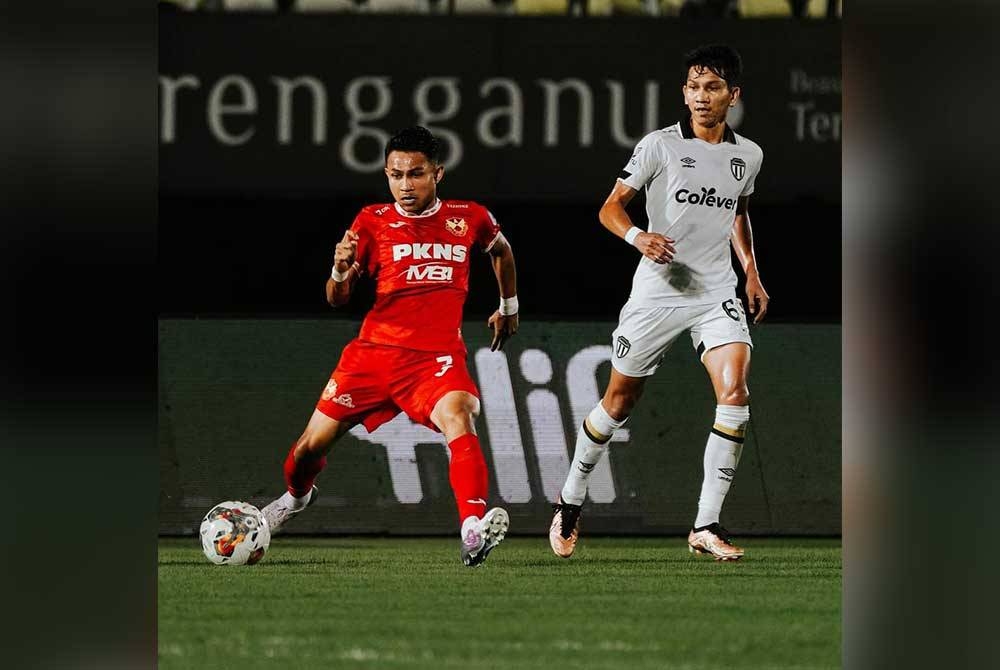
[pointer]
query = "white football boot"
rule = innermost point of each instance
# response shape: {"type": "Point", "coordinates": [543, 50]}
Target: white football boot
{"type": "Point", "coordinates": [277, 512]}
{"type": "Point", "coordinates": [480, 536]}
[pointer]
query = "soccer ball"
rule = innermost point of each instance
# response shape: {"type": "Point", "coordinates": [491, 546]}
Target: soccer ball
{"type": "Point", "coordinates": [234, 533]}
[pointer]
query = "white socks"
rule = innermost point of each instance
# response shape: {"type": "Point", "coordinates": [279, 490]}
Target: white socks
{"type": "Point", "coordinates": [722, 455]}
{"type": "Point", "coordinates": [293, 503]}
{"type": "Point", "coordinates": [591, 444]}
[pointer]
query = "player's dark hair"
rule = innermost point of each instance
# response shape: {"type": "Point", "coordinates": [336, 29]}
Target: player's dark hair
{"type": "Point", "coordinates": [415, 138]}
{"type": "Point", "coordinates": [723, 60]}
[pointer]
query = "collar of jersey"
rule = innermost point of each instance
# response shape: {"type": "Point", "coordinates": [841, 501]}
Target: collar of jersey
{"type": "Point", "coordinates": [687, 132]}
{"type": "Point", "coordinates": [430, 211]}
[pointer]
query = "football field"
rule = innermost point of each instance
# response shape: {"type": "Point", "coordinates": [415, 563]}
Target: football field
{"type": "Point", "coordinates": [409, 603]}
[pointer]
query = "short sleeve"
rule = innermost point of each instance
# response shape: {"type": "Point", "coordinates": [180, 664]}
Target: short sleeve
{"type": "Point", "coordinates": [488, 231]}
{"type": "Point", "coordinates": [647, 161]}
{"type": "Point", "coordinates": [752, 178]}
{"type": "Point", "coordinates": [366, 257]}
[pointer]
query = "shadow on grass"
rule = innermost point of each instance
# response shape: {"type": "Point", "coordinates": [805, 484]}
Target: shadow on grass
{"type": "Point", "coordinates": [185, 562]}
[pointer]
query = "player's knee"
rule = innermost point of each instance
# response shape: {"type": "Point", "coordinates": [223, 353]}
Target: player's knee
{"type": "Point", "coordinates": [457, 413]}
{"type": "Point", "coordinates": [459, 406]}
{"type": "Point", "coordinates": [465, 415]}
{"type": "Point", "coordinates": [619, 404]}
{"type": "Point", "coordinates": [739, 395]}
{"type": "Point", "coordinates": [470, 407]}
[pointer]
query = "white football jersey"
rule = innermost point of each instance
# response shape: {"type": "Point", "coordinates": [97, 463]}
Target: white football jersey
{"type": "Point", "coordinates": [691, 191]}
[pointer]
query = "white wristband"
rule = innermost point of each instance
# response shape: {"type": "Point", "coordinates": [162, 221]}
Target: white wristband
{"type": "Point", "coordinates": [339, 276]}
{"type": "Point", "coordinates": [632, 233]}
{"type": "Point", "coordinates": [508, 306]}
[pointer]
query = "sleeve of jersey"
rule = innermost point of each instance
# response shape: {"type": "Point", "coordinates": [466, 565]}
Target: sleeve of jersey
{"type": "Point", "coordinates": [646, 162]}
{"type": "Point", "coordinates": [365, 243]}
{"type": "Point", "coordinates": [748, 188]}
{"type": "Point", "coordinates": [488, 232]}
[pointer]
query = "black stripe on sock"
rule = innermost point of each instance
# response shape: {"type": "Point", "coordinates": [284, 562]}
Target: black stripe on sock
{"type": "Point", "coordinates": [590, 436]}
{"type": "Point", "coordinates": [731, 438]}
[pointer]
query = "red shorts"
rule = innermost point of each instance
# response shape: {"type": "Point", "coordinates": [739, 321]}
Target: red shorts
{"type": "Point", "coordinates": [373, 383]}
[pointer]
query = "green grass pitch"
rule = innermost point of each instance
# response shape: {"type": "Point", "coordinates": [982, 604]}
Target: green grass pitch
{"type": "Point", "coordinates": [409, 603]}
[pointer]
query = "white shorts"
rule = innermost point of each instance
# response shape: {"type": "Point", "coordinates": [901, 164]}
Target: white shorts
{"type": "Point", "coordinates": [645, 334]}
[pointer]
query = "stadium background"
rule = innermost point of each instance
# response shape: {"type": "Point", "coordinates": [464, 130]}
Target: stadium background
{"type": "Point", "coordinates": [256, 189]}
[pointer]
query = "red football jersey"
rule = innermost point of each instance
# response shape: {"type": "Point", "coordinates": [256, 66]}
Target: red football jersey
{"type": "Point", "coordinates": [420, 264]}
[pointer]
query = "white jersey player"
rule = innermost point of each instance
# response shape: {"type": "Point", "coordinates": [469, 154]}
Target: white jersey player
{"type": "Point", "coordinates": [697, 175]}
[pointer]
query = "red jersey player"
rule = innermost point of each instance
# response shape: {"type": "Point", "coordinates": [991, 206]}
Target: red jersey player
{"type": "Point", "coordinates": [409, 355]}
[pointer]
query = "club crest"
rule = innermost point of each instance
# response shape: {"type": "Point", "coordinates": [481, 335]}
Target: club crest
{"type": "Point", "coordinates": [738, 167]}
{"type": "Point", "coordinates": [330, 390]}
{"type": "Point", "coordinates": [622, 346]}
{"type": "Point", "coordinates": [457, 226]}
{"type": "Point", "coordinates": [330, 395]}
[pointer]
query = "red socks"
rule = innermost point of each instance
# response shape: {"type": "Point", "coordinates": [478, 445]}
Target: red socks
{"type": "Point", "coordinates": [467, 473]}
{"type": "Point", "coordinates": [300, 475]}
{"type": "Point", "coordinates": [468, 476]}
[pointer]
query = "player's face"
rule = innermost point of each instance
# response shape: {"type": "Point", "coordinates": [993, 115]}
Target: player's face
{"type": "Point", "coordinates": [708, 97]}
{"type": "Point", "coordinates": [413, 180]}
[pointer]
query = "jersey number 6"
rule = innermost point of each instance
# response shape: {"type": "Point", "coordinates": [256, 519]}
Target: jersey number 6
{"type": "Point", "coordinates": [730, 307]}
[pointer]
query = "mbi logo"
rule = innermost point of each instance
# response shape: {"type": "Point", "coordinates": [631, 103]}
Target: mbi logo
{"type": "Point", "coordinates": [429, 272]}
{"type": "Point", "coordinates": [706, 198]}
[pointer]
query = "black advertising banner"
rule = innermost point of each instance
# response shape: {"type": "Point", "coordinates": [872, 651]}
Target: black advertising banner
{"type": "Point", "coordinates": [546, 108]}
{"type": "Point", "coordinates": [234, 394]}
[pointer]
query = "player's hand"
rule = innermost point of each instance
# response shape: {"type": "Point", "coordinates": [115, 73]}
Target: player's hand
{"type": "Point", "coordinates": [757, 298]}
{"type": "Point", "coordinates": [347, 249]}
{"type": "Point", "coordinates": [503, 327]}
{"type": "Point", "coordinates": [655, 247]}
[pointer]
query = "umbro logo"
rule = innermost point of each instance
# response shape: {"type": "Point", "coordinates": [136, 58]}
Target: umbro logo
{"type": "Point", "coordinates": [729, 472]}
{"type": "Point", "coordinates": [688, 162]}
{"type": "Point", "coordinates": [586, 467]}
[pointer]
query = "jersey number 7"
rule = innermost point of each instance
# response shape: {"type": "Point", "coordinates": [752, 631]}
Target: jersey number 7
{"type": "Point", "coordinates": [446, 362]}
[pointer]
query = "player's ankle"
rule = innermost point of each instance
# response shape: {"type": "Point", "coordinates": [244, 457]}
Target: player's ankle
{"type": "Point", "coordinates": [295, 502]}
{"type": "Point", "coordinates": [468, 523]}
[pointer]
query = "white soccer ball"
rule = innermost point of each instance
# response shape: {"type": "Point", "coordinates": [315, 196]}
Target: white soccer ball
{"type": "Point", "coordinates": [234, 533]}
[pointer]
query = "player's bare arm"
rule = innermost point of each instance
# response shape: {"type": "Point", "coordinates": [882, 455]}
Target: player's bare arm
{"type": "Point", "coordinates": [345, 270]}
{"type": "Point", "coordinates": [742, 241]}
{"type": "Point", "coordinates": [654, 246]}
{"type": "Point", "coordinates": [503, 325]}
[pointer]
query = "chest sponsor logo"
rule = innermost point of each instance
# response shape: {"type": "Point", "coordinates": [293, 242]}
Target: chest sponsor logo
{"type": "Point", "coordinates": [456, 226]}
{"type": "Point", "coordinates": [738, 167]}
{"type": "Point", "coordinates": [419, 251]}
{"type": "Point", "coordinates": [429, 272]}
{"type": "Point", "coordinates": [706, 198]}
